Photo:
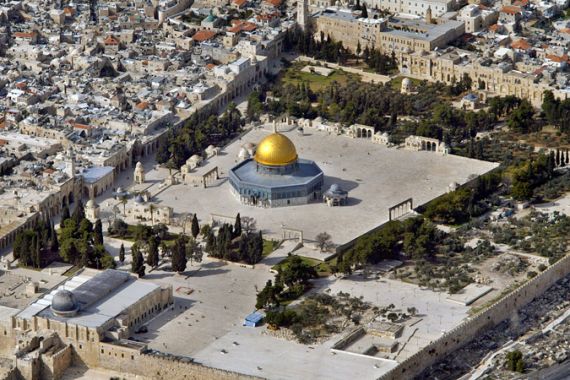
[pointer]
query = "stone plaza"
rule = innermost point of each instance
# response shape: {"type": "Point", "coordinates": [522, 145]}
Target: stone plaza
{"type": "Point", "coordinates": [376, 178]}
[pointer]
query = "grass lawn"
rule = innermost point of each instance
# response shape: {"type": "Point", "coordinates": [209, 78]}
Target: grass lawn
{"type": "Point", "coordinates": [293, 75]}
{"type": "Point", "coordinates": [323, 268]}
{"type": "Point", "coordinates": [269, 246]}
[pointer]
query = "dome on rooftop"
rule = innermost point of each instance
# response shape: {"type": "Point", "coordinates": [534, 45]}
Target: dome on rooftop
{"type": "Point", "coordinates": [276, 150]}
{"type": "Point", "coordinates": [64, 303]}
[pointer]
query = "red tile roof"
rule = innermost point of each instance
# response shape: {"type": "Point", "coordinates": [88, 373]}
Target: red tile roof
{"type": "Point", "coordinates": [556, 58]}
{"type": "Point", "coordinates": [239, 25]}
{"type": "Point", "coordinates": [521, 44]}
{"type": "Point", "coordinates": [110, 40]}
{"type": "Point", "coordinates": [142, 105]}
{"type": "Point", "coordinates": [24, 34]}
{"type": "Point", "coordinates": [239, 3]}
{"type": "Point", "coordinates": [203, 35]}
{"type": "Point", "coordinates": [82, 126]}
{"type": "Point", "coordinates": [275, 3]}
{"type": "Point", "coordinates": [511, 9]}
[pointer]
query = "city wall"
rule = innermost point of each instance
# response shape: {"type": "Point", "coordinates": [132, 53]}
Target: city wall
{"type": "Point", "coordinates": [472, 327]}
{"type": "Point", "coordinates": [160, 366]}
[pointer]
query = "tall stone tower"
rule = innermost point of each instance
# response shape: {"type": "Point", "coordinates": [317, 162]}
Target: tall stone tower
{"type": "Point", "coordinates": [70, 163]}
{"type": "Point", "coordinates": [429, 18]}
{"type": "Point", "coordinates": [139, 173]}
{"type": "Point", "coordinates": [303, 14]}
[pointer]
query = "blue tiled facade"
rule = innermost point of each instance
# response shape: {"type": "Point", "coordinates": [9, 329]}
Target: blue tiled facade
{"type": "Point", "coordinates": [274, 186]}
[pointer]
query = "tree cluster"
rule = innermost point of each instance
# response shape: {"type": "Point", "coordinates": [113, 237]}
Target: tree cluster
{"type": "Point", "coordinates": [418, 235]}
{"type": "Point", "coordinates": [531, 174]}
{"type": "Point", "coordinates": [556, 112]}
{"type": "Point", "coordinates": [146, 248]}
{"type": "Point", "coordinates": [459, 206]}
{"type": "Point", "coordinates": [514, 361]}
{"type": "Point", "coordinates": [34, 247]}
{"type": "Point", "coordinates": [293, 276]}
{"type": "Point", "coordinates": [235, 243]}
{"type": "Point", "coordinates": [378, 61]}
{"type": "Point", "coordinates": [323, 48]}
{"type": "Point", "coordinates": [202, 129]}
{"type": "Point", "coordinates": [81, 242]}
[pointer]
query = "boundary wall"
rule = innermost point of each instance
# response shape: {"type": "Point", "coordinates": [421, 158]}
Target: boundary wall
{"type": "Point", "coordinates": [473, 326]}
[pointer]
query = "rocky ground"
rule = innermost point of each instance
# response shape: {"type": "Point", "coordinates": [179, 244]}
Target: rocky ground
{"type": "Point", "coordinates": [540, 330]}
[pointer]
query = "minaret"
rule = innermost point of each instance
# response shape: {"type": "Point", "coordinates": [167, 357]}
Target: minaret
{"type": "Point", "coordinates": [70, 163]}
{"type": "Point", "coordinates": [428, 15]}
{"type": "Point", "coordinates": [303, 13]}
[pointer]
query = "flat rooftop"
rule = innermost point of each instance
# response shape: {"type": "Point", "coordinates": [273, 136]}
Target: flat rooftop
{"type": "Point", "coordinates": [101, 295]}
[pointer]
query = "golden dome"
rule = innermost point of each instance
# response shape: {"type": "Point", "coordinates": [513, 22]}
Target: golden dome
{"type": "Point", "coordinates": [275, 150]}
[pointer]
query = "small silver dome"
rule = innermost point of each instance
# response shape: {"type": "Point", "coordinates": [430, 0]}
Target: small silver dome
{"type": "Point", "coordinates": [64, 303]}
{"type": "Point", "coordinates": [139, 199]}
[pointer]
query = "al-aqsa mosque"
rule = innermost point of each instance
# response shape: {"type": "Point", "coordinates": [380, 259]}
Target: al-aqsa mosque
{"type": "Point", "coordinates": [275, 176]}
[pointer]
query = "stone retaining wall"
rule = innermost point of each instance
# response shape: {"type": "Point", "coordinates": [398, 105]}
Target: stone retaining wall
{"type": "Point", "coordinates": [472, 327]}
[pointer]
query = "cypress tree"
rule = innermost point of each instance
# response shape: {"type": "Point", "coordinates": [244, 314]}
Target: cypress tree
{"type": "Point", "coordinates": [364, 11]}
{"type": "Point", "coordinates": [122, 253]}
{"type": "Point", "coordinates": [195, 226]}
{"type": "Point", "coordinates": [237, 226]}
{"type": "Point", "coordinates": [179, 256]}
{"type": "Point", "coordinates": [98, 232]}
{"type": "Point", "coordinates": [136, 262]}
{"type": "Point", "coordinates": [79, 213]}
{"type": "Point", "coordinates": [152, 254]}
{"type": "Point", "coordinates": [54, 240]}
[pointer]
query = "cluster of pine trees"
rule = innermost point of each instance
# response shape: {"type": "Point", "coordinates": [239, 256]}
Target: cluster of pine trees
{"type": "Point", "coordinates": [234, 244]}
{"type": "Point", "coordinates": [151, 243]}
{"type": "Point", "coordinates": [79, 242]}
{"type": "Point", "coordinates": [199, 131]}
{"type": "Point", "coordinates": [34, 247]}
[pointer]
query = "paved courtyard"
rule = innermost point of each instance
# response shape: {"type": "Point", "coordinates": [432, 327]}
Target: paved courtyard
{"type": "Point", "coordinates": [207, 325]}
{"type": "Point", "coordinates": [377, 177]}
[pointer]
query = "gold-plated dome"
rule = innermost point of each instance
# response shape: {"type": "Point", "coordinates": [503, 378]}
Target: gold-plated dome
{"type": "Point", "coordinates": [275, 150]}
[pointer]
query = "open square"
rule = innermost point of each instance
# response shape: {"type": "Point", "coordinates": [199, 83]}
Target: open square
{"type": "Point", "coordinates": [375, 176]}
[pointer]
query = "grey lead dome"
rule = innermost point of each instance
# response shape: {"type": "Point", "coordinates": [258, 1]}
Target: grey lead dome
{"type": "Point", "coordinates": [64, 303]}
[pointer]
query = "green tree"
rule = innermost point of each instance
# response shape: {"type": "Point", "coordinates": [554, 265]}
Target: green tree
{"type": "Point", "coordinates": [268, 296]}
{"type": "Point", "coordinates": [195, 226]}
{"type": "Point", "coordinates": [137, 258]}
{"type": "Point", "coordinates": [152, 252]}
{"type": "Point", "coordinates": [79, 212]}
{"type": "Point", "coordinates": [521, 119]}
{"type": "Point", "coordinates": [122, 253]}
{"type": "Point", "coordinates": [179, 255]}
{"type": "Point", "coordinates": [364, 11]}
{"type": "Point", "coordinates": [237, 226]}
{"type": "Point", "coordinates": [194, 251]}
{"type": "Point", "coordinates": [295, 271]}
{"type": "Point", "coordinates": [69, 252]}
